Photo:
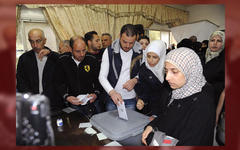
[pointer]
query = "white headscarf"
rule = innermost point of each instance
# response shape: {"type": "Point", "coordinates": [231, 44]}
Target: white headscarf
{"type": "Point", "coordinates": [188, 62]}
{"type": "Point", "coordinates": [159, 48]}
{"type": "Point", "coordinates": [209, 54]}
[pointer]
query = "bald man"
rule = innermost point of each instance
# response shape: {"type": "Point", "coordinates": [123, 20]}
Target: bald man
{"type": "Point", "coordinates": [35, 75]}
{"type": "Point", "coordinates": [77, 75]}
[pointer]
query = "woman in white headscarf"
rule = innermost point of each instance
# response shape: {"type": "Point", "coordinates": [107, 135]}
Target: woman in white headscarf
{"type": "Point", "coordinates": [189, 116]}
{"type": "Point", "coordinates": [151, 78]}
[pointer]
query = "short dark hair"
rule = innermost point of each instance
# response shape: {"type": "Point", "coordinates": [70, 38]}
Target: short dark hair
{"type": "Point", "coordinates": [139, 29]}
{"type": "Point", "coordinates": [205, 42]}
{"type": "Point", "coordinates": [144, 37]}
{"type": "Point", "coordinates": [107, 35]}
{"type": "Point", "coordinates": [74, 38]}
{"type": "Point", "coordinates": [128, 29]}
{"type": "Point", "coordinates": [89, 36]}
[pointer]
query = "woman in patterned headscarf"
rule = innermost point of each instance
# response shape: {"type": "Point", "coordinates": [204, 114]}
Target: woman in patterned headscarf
{"type": "Point", "coordinates": [190, 114]}
{"type": "Point", "coordinates": [214, 67]}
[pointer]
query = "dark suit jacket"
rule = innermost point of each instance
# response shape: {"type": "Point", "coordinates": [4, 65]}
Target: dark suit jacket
{"type": "Point", "coordinates": [27, 74]}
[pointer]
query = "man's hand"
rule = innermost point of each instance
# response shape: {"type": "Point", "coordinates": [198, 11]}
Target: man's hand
{"type": "Point", "coordinates": [74, 100]}
{"type": "Point", "coordinates": [42, 53]}
{"type": "Point", "coordinates": [146, 133]}
{"type": "Point", "coordinates": [129, 85]}
{"type": "Point", "coordinates": [140, 104]}
{"type": "Point", "coordinates": [94, 96]}
{"type": "Point", "coordinates": [116, 97]}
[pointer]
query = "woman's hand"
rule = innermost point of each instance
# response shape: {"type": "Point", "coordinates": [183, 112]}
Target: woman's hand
{"type": "Point", "coordinates": [140, 104]}
{"type": "Point", "coordinates": [145, 134]}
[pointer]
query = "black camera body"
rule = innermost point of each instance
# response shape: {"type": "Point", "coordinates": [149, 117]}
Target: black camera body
{"type": "Point", "coordinates": [33, 122]}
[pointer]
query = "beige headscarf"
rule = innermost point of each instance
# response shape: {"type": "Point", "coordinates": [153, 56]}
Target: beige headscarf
{"type": "Point", "coordinates": [209, 54]}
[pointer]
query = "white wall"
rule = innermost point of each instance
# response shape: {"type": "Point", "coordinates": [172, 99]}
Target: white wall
{"type": "Point", "coordinates": [156, 26]}
{"type": "Point", "coordinates": [213, 13]}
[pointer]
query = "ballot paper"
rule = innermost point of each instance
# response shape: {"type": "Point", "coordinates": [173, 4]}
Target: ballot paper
{"type": "Point", "coordinates": [90, 131]}
{"type": "Point", "coordinates": [68, 110]}
{"type": "Point", "coordinates": [122, 111]}
{"type": "Point", "coordinates": [101, 136]}
{"type": "Point", "coordinates": [85, 125]}
{"type": "Point", "coordinates": [113, 143]}
{"type": "Point", "coordinates": [84, 98]}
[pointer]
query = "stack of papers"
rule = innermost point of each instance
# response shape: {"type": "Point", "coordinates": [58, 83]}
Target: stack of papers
{"type": "Point", "coordinates": [90, 131]}
{"type": "Point", "coordinates": [68, 110]}
{"type": "Point", "coordinates": [85, 125]}
{"type": "Point", "coordinates": [113, 143]}
{"type": "Point", "coordinates": [101, 136]}
{"type": "Point", "coordinates": [84, 98]}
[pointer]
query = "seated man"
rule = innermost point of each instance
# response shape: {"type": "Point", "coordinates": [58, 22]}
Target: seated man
{"type": "Point", "coordinates": [77, 74]}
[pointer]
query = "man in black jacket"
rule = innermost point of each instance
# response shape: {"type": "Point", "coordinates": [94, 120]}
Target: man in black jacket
{"type": "Point", "coordinates": [35, 74]}
{"type": "Point", "coordinates": [77, 74]}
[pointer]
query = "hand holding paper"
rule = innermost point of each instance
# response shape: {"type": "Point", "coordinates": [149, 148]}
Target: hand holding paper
{"type": "Point", "coordinates": [84, 98]}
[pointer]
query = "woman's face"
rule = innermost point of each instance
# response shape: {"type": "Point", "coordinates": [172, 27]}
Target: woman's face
{"type": "Point", "coordinates": [152, 59]}
{"type": "Point", "coordinates": [215, 43]}
{"type": "Point", "coordinates": [175, 77]}
{"type": "Point", "coordinates": [144, 43]}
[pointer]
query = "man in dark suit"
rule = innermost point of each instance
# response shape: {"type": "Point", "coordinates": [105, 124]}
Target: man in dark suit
{"type": "Point", "coordinates": [34, 73]}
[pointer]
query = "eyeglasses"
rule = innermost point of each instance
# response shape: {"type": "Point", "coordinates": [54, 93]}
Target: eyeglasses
{"type": "Point", "coordinates": [37, 41]}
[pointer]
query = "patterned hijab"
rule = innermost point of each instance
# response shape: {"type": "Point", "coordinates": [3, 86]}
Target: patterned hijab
{"type": "Point", "coordinates": [188, 62]}
{"type": "Point", "coordinates": [209, 54]}
{"type": "Point", "coordinates": [158, 47]}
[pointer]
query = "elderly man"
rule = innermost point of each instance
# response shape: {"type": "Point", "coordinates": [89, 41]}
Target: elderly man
{"type": "Point", "coordinates": [64, 47]}
{"type": "Point", "coordinates": [78, 75]}
{"type": "Point", "coordinates": [118, 71]}
{"type": "Point", "coordinates": [35, 75]}
{"type": "Point", "coordinates": [106, 40]}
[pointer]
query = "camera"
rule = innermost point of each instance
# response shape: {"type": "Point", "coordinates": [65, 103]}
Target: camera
{"type": "Point", "coordinates": [33, 122]}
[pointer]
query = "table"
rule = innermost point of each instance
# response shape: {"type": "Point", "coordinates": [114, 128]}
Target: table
{"type": "Point", "coordinates": [70, 133]}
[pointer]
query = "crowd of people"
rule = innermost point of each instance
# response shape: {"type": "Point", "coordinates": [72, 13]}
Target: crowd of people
{"type": "Point", "coordinates": [181, 89]}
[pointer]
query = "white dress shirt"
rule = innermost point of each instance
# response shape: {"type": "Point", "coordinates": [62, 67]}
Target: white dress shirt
{"type": "Point", "coordinates": [123, 77]}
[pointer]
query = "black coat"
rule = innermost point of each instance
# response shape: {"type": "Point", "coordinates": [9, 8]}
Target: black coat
{"type": "Point", "coordinates": [214, 72]}
{"type": "Point", "coordinates": [72, 80]}
{"type": "Point", "coordinates": [191, 120]}
{"type": "Point", "coordinates": [27, 74]}
{"type": "Point", "coordinates": [149, 89]}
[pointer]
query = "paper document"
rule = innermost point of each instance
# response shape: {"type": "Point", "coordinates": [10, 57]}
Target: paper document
{"type": "Point", "coordinates": [90, 131]}
{"type": "Point", "coordinates": [85, 125]}
{"type": "Point", "coordinates": [113, 143]}
{"type": "Point", "coordinates": [68, 110]}
{"type": "Point", "coordinates": [122, 111]}
{"type": "Point", "coordinates": [101, 136]}
{"type": "Point", "coordinates": [84, 98]}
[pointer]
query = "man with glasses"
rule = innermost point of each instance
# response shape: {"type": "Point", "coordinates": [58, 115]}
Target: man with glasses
{"type": "Point", "coordinates": [77, 74]}
{"type": "Point", "coordinates": [34, 74]}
